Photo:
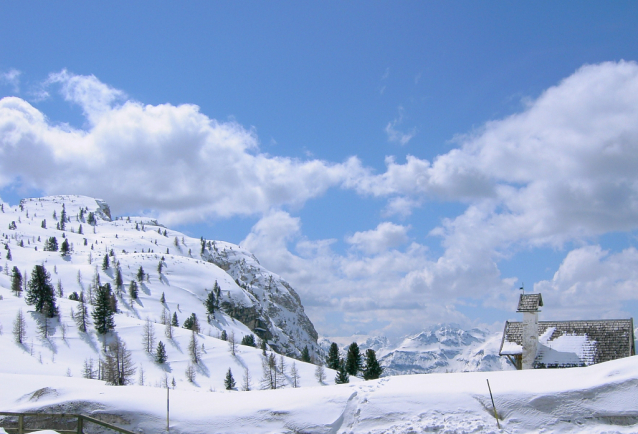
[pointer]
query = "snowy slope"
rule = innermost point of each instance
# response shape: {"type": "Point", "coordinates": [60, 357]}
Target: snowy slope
{"type": "Point", "coordinates": [595, 399]}
{"type": "Point", "coordinates": [185, 281]}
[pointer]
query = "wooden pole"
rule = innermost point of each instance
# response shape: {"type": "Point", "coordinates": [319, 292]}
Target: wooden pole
{"type": "Point", "coordinates": [493, 406]}
{"type": "Point", "coordinates": [80, 425]}
{"type": "Point", "coordinates": [21, 424]}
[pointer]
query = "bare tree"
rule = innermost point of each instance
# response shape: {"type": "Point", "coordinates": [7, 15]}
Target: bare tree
{"type": "Point", "coordinates": [193, 349]}
{"type": "Point", "coordinates": [320, 373]}
{"type": "Point", "coordinates": [245, 385]}
{"type": "Point", "coordinates": [232, 344]}
{"type": "Point", "coordinates": [168, 330]}
{"type": "Point", "coordinates": [148, 336]}
{"type": "Point", "coordinates": [140, 380]}
{"type": "Point", "coordinates": [294, 375]}
{"type": "Point", "coordinates": [87, 369]}
{"type": "Point", "coordinates": [81, 316]}
{"type": "Point", "coordinates": [19, 328]}
{"type": "Point", "coordinates": [190, 373]}
{"type": "Point", "coordinates": [119, 365]}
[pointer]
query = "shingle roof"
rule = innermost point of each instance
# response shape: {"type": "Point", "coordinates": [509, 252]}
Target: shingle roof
{"type": "Point", "coordinates": [574, 343]}
{"type": "Point", "coordinates": [529, 302]}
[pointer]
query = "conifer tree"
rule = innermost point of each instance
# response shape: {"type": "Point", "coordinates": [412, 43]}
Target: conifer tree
{"type": "Point", "coordinates": [160, 353]}
{"type": "Point", "coordinates": [16, 281]}
{"type": "Point", "coordinates": [342, 376]}
{"type": "Point", "coordinates": [51, 245]}
{"type": "Point", "coordinates": [159, 268]}
{"type": "Point", "coordinates": [174, 320]}
{"type": "Point", "coordinates": [372, 370]}
{"type": "Point", "coordinates": [353, 360]}
{"type": "Point", "coordinates": [333, 359]}
{"type": "Point", "coordinates": [229, 381]}
{"type": "Point", "coordinates": [40, 292]}
{"type": "Point", "coordinates": [63, 219]}
{"type": "Point", "coordinates": [140, 274]}
{"type": "Point", "coordinates": [91, 219]}
{"type": "Point", "coordinates": [210, 304]}
{"type": "Point", "coordinates": [102, 313]}
{"type": "Point", "coordinates": [162, 298]}
{"type": "Point", "coordinates": [105, 263]}
{"type": "Point", "coordinates": [132, 289]}
{"type": "Point", "coordinates": [65, 249]}
{"type": "Point", "coordinates": [119, 282]}
{"type": "Point", "coordinates": [305, 355]}
{"type": "Point", "coordinates": [248, 340]}
{"type": "Point", "coordinates": [192, 323]}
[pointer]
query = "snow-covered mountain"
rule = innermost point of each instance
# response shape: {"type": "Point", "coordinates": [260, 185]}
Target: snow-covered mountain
{"type": "Point", "coordinates": [252, 300]}
{"type": "Point", "coordinates": [260, 299]}
{"type": "Point", "coordinates": [441, 348]}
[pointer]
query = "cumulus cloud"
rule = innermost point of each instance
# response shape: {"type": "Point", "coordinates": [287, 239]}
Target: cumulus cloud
{"type": "Point", "coordinates": [561, 171]}
{"type": "Point", "coordinates": [386, 235]}
{"type": "Point", "coordinates": [173, 160]}
{"type": "Point", "coordinates": [592, 283]}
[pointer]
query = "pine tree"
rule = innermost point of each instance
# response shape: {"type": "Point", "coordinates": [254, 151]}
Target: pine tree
{"type": "Point", "coordinates": [248, 340]}
{"type": "Point", "coordinates": [105, 263]}
{"type": "Point", "coordinates": [91, 219]}
{"type": "Point", "coordinates": [16, 281]}
{"type": "Point", "coordinates": [168, 330]}
{"type": "Point", "coordinates": [174, 320]}
{"type": "Point", "coordinates": [192, 323]}
{"type": "Point", "coordinates": [119, 282]}
{"type": "Point", "coordinates": [162, 299]}
{"type": "Point", "coordinates": [372, 370]}
{"type": "Point", "coordinates": [159, 268]}
{"type": "Point", "coordinates": [65, 249]}
{"type": "Point", "coordinates": [140, 274]}
{"type": "Point", "coordinates": [132, 289]}
{"type": "Point", "coordinates": [353, 360]}
{"type": "Point", "coordinates": [305, 355]}
{"type": "Point", "coordinates": [63, 219]}
{"type": "Point", "coordinates": [333, 359]}
{"type": "Point", "coordinates": [51, 245]}
{"type": "Point", "coordinates": [160, 353]}
{"type": "Point", "coordinates": [342, 376]}
{"type": "Point", "coordinates": [210, 304]}
{"type": "Point", "coordinates": [229, 381]}
{"type": "Point", "coordinates": [19, 328]}
{"type": "Point", "coordinates": [102, 313]}
{"type": "Point", "coordinates": [40, 292]}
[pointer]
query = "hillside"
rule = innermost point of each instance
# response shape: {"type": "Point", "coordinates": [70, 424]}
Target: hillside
{"type": "Point", "coordinates": [261, 304]}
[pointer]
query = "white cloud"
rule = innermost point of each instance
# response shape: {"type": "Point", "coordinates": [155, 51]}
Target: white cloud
{"type": "Point", "coordinates": [173, 160]}
{"type": "Point", "coordinates": [11, 78]}
{"type": "Point", "coordinates": [95, 97]}
{"type": "Point", "coordinates": [386, 235]}
{"type": "Point", "coordinates": [591, 283]}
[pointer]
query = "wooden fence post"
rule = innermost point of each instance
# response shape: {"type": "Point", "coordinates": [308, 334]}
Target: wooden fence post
{"type": "Point", "coordinates": [80, 424]}
{"type": "Point", "coordinates": [21, 424]}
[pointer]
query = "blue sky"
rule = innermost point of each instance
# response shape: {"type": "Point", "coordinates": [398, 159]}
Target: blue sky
{"type": "Point", "coordinates": [400, 163]}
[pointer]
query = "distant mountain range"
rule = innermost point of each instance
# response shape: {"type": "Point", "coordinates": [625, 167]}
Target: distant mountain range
{"type": "Point", "coordinates": [440, 348]}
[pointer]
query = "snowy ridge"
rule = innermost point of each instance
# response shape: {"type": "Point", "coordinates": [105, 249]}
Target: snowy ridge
{"type": "Point", "coordinates": [185, 280]}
